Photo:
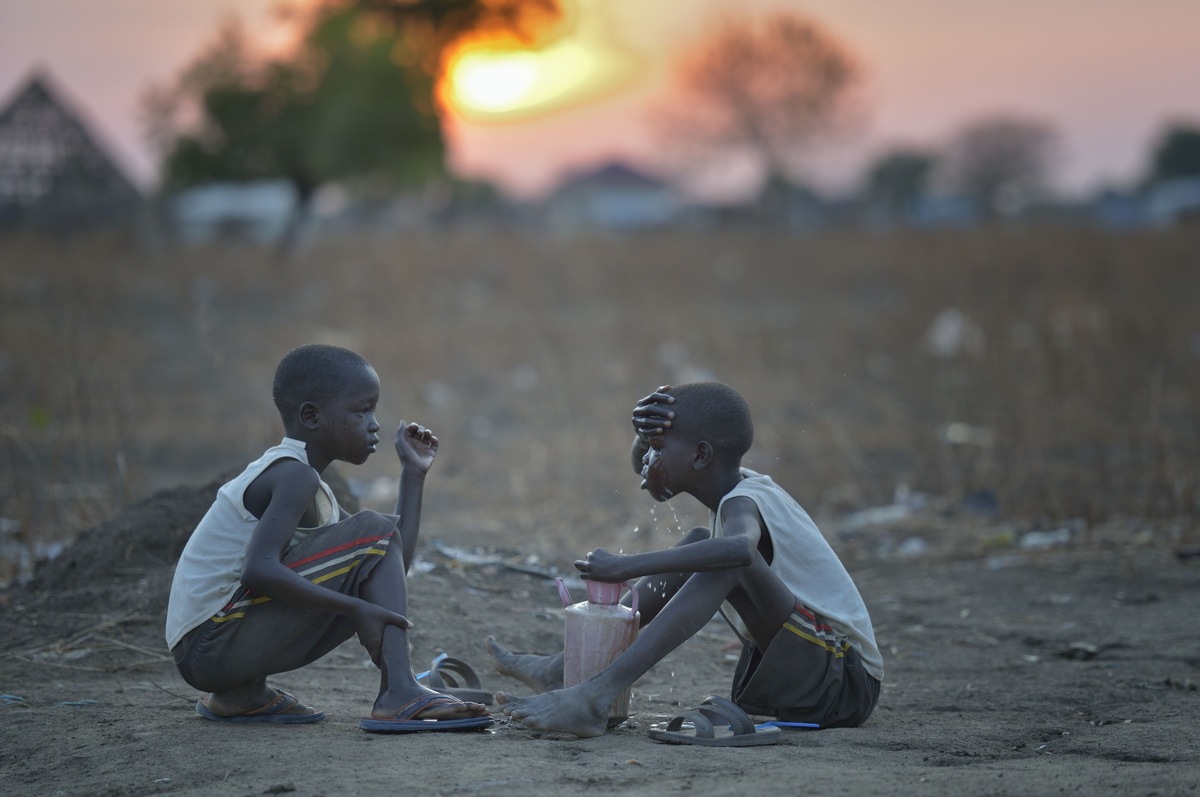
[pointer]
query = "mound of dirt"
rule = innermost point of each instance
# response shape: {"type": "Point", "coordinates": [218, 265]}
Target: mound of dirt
{"type": "Point", "coordinates": [119, 573]}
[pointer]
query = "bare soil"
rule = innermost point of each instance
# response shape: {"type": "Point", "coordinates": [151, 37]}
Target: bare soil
{"type": "Point", "coordinates": [1064, 671]}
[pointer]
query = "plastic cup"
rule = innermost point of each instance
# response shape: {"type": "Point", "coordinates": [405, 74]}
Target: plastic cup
{"type": "Point", "coordinates": [602, 593]}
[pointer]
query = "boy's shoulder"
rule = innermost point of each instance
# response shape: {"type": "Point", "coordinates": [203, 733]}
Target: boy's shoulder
{"type": "Point", "coordinates": [769, 496]}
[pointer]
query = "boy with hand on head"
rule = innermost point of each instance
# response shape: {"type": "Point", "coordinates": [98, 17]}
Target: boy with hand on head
{"type": "Point", "coordinates": [276, 574]}
{"type": "Point", "coordinates": [809, 652]}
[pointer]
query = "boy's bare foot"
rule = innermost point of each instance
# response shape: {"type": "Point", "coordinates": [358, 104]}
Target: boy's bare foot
{"type": "Point", "coordinates": [562, 711]}
{"type": "Point", "coordinates": [390, 704]}
{"type": "Point", "coordinates": [539, 673]}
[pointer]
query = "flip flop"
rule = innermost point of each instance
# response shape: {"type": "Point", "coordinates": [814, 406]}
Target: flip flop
{"type": "Point", "coordinates": [404, 720]}
{"type": "Point", "coordinates": [274, 712]}
{"type": "Point", "coordinates": [454, 677]}
{"type": "Point", "coordinates": [716, 722]}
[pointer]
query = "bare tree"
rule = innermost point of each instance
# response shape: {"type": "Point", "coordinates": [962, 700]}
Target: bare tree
{"type": "Point", "coordinates": [1003, 162]}
{"type": "Point", "coordinates": [762, 88]}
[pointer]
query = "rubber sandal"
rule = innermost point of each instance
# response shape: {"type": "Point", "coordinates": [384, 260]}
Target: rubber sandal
{"type": "Point", "coordinates": [716, 722]}
{"type": "Point", "coordinates": [454, 677]}
{"type": "Point", "coordinates": [274, 712]}
{"type": "Point", "coordinates": [406, 721]}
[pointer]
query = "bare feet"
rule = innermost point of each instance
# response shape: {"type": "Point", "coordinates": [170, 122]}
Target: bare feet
{"type": "Point", "coordinates": [390, 704]}
{"type": "Point", "coordinates": [539, 673]}
{"type": "Point", "coordinates": [573, 711]}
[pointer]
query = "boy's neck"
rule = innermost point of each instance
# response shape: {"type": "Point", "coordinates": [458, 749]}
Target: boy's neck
{"type": "Point", "coordinates": [316, 459]}
{"type": "Point", "coordinates": [719, 484]}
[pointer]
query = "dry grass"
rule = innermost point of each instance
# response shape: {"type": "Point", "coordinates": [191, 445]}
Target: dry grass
{"type": "Point", "coordinates": [125, 370]}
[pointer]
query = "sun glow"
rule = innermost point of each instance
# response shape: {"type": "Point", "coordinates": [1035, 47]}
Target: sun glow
{"type": "Point", "coordinates": [495, 82]}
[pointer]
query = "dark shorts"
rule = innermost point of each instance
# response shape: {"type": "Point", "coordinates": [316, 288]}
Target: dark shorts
{"type": "Point", "coordinates": [807, 674]}
{"type": "Point", "coordinates": [254, 636]}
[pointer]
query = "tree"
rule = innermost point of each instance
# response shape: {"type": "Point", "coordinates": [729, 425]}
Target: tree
{"type": "Point", "coordinates": [763, 89]}
{"type": "Point", "coordinates": [1002, 162]}
{"type": "Point", "coordinates": [896, 180]}
{"type": "Point", "coordinates": [355, 102]}
{"type": "Point", "coordinates": [1176, 155]}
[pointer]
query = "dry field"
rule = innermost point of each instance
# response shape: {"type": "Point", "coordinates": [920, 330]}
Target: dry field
{"type": "Point", "coordinates": [1039, 376]}
{"type": "Point", "coordinates": [1057, 393]}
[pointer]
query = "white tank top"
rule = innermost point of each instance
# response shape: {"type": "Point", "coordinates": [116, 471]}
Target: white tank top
{"type": "Point", "coordinates": [807, 565]}
{"type": "Point", "coordinates": [210, 567]}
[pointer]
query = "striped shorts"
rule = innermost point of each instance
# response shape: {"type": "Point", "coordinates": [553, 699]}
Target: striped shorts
{"type": "Point", "coordinates": [254, 636]}
{"type": "Point", "coordinates": [807, 674]}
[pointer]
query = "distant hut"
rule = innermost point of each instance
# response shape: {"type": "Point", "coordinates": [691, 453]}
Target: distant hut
{"type": "Point", "coordinates": [53, 172]}
{"type": "Point", "coordinates": [614, 196]}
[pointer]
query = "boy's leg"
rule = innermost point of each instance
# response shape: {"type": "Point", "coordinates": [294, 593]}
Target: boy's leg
{"type": "Point", "coordinates": [398, 685]}
{"type": "Point", "coordinates": [761, 599]}
{"type": "Point", "coordinates": [544, 673]}
{"type": "Point", "coordinates": [254, 637]}
{"type": "Point", "coordinates": [808, 673]}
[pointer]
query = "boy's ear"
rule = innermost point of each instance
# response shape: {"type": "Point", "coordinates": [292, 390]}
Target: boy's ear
{"type": "Point", "coordinates": [703, 456]}
{"type": "Point", "coordinates": [310, 415]}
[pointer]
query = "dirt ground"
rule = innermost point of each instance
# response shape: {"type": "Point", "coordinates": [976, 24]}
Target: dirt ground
{"type": "Point", "coordinates": [1062, 671]}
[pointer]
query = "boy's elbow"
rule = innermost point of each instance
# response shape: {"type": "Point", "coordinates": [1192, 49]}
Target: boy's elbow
{"type": "Point", "coordinates": [748, 553]}
{"type": "Point", "coordinates": [742, 552]}
{"type": "Point", "coordinates": [256, 577]}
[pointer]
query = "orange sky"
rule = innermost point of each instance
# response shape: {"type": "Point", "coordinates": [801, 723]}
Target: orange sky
{"type": "Point", "coordinates": [1109, 73]}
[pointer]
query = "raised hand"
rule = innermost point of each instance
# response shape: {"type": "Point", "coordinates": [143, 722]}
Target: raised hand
{"type": "Point", "coordinates": [416, 446]}
{"type": "Point", "coordinates": [652, 415]}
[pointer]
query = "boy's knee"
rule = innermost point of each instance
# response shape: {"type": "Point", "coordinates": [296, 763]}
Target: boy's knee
{"type": "Point", "coordinates": [368, 520]}
{"type": "Point", "coordinates": [696, 535]}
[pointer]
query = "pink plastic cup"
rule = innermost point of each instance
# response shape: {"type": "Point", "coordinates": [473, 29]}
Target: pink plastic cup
{"type": "Point", "coordinates": [606, 594]}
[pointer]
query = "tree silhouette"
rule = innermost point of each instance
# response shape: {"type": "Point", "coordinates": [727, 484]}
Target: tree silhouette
{"type": "Point", "coordinates": [1176, 155]}
{"type": "Point", "coordinates": [354, 103]}
{"type": "Point", "coordinates": [1002, 161]}
{"type": "Point", "coordinates": [896, 180]}
{"type": "Point", "coordinates": [764, 88]}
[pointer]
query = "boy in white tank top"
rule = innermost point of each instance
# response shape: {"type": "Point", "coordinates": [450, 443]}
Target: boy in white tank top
{"type": "Point", "coordinates": [809, 651]}
{"type": "Point", "coordinates": [276, 575]}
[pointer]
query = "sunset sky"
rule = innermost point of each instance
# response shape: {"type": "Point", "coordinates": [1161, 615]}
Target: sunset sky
{"type": "Point", "coordinates": [1109, 74]}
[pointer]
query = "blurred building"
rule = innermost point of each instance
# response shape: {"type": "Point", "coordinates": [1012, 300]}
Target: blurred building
{"type": "Point", "coordinates": [53, 171]}
{"type": "Point", "coordinates": [612, 197]}
{"type": "Point", "coordinates": [256, 212]}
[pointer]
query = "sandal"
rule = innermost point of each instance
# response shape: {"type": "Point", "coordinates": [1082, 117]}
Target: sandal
{"type": "Point", "coordinates": [454, 677]}
{"type": "Point", "coordinates": [716, 722]}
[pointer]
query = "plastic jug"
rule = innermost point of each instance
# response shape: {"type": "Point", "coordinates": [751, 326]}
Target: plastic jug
{"type": "Point", "coordinates": [596, 632]}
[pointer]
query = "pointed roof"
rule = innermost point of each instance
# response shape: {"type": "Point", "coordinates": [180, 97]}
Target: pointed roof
{"type": "Point", "coordinates": [52, 168]}
{"type": "Point", "coordinates": [612, 174]}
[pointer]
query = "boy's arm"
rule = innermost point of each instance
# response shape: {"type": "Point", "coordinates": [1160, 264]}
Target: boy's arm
{"type": "Point", "coordinates": [416, 447]}
{"type": "Point", "coordinates": [742, 529]}
{"type": "Point", "coordinates": [291, 485]}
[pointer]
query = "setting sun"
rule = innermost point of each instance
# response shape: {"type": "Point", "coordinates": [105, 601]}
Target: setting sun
{"type": "Point", "coordinates": [493, 82]}
{"type": "Point", "coordinates": [488, 82]}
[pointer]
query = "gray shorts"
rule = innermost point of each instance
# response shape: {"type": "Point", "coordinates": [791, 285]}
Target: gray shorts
{"type": "Point", "coordinates": [254, 636]}
{"type": "Point", "coordinates": [806, 674]}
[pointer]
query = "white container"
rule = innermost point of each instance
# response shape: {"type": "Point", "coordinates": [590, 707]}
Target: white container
{"type": "Point", "coordinates": [596, 632]}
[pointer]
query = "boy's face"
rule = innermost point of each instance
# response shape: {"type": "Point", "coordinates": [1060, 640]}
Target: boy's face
{"type": "Point", "coordinates": [665, 465]}
{"type": "Point", "coordinates": [350, 427]}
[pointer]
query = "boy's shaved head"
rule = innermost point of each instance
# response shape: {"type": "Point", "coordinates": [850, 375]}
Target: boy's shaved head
{"type": "Point", "coordinates": [716, 413]}
{"type": "Point", "coordinates": [315, 372]}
